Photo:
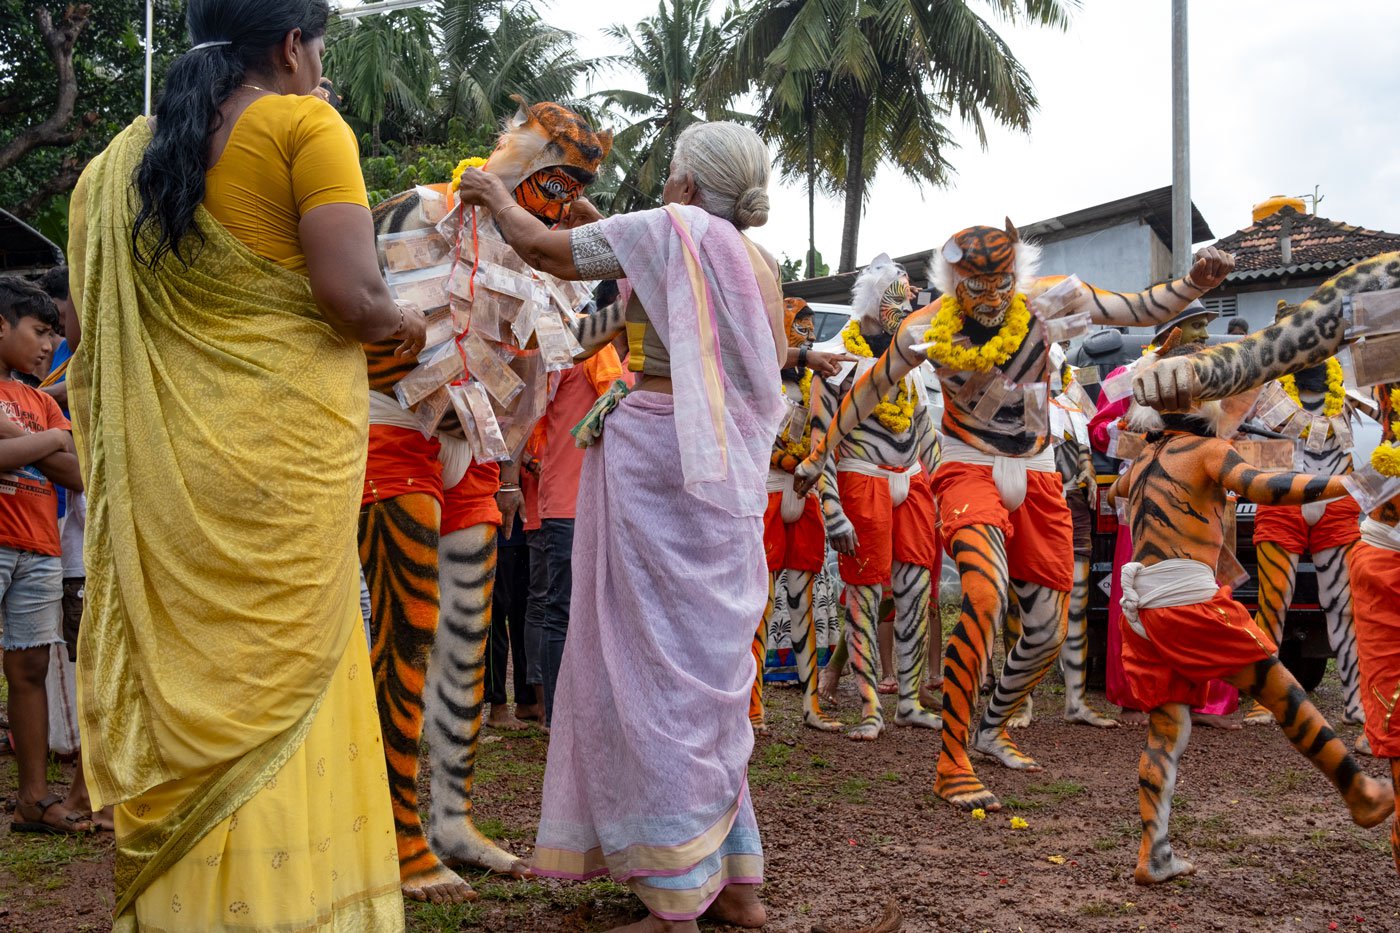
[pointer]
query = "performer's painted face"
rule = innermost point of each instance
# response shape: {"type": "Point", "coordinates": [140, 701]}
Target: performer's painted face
{"type": "Point", "coordinates": [801, 323]}
{"type": "Point", "coordinates": [984, 259]}
{"type": "Point", "coordinates": [896, 304]}
{"type": "Point", "coordinates": [985, 298]}
{"type": "Point", "coordinates": [547, 192]}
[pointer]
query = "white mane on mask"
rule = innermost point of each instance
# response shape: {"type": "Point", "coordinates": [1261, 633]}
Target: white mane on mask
{"type": "Point", "coordinates": [870, 286]}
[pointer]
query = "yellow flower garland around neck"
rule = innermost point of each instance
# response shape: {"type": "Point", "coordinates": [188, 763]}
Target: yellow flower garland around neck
{"type": "Point", "coordinates": [948, 323]}
{"type": "Point", "coordinates": [1385, 459]}
{"type": "Point", "coordinates": [1336, 398]}
{"type": "Point", "coordinates": [898, 415]}
{"type": "Point", "coordinates": [802, 448]}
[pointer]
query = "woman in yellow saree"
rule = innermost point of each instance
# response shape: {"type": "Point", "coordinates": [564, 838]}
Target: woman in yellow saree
{"type": "Point", "coordinates": [220, 404]}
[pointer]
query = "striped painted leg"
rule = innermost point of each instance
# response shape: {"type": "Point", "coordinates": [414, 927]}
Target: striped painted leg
{"type": "Point", "coordinates": [799, 592]}
{"type": "Point", "coordinates": [1074, 654]}
{"type": "Point", "coordinates": [1168, 731]}
{"type": "Point", "coordinates": [760, 657]}
{"type": "Point", "coordinates": [1278, 572]}
{"type": "Point", "coordinates": [911, 596]}
{"type": "Point", "coordinates": [1334, 592]}
{"type": "Point", "coordinates": [862, 612]}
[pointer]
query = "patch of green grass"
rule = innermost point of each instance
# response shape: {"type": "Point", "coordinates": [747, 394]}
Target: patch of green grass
{"type": "Point", "coordinates": [1288, 781]}
{"type": "Point", "coordinates": [891, 778]}
{"type": "Point", "coordinates": [443, 918]}
{"type": "Point", "coordinates": [1016, 803]}
{"type": "Point", "coordinates": [499, 829]}
{"type": "Point", "coordinates": [1106, 843]}
{"type": "Point", "coordinates": [853, 789]}
{"type": "Point", "coordinates": [1059, 790]}
{"type": "Point", "coordinates": [774, 755]}
{"type": "Point", "coordinates": [54, 772]}
{"type": "Point", "coordinates": [819, 762]}
{"type": "Point", "coordinates": [29, 859]}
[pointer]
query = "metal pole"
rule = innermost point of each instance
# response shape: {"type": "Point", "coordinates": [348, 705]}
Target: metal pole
{"type": "Point", "coordinates": [150, 30]}
{"type": "Point", "coordinates": [1181, 146]}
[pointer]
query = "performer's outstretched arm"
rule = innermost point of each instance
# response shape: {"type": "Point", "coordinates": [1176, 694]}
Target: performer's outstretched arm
{"type": "Point", "coordinates": [1151, 305]}
{"type": "Point", "coordinates": [595, 331]}
{"type": "Point", "coordinates": [1305, 338]}
{"type": "Point", "coordinates": [1269, 487]}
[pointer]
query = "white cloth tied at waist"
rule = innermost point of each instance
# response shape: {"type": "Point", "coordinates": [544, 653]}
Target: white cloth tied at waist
{"type": "Point", "coordinates": [1381, 535]}
{"type": "Point", "coordinates": [1175, 582]}
{"type": "Point", "coordinates": [898, 478]}
{"type": "Point", "coordinates": [1009, 473]}
{"type": "Point", "coordinates": [792, 505]}
{"type": "Point", "coordinates": [1312, 511]}
{"type": "Point", "coordinates": [454, 453]}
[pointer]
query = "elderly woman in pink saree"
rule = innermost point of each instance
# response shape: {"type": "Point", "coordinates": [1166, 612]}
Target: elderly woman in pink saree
{"type": "Point", "coordinates": [649, 749]}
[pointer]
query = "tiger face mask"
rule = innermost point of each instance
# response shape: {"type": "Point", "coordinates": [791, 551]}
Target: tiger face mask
{"type": "Point", "coordinates": [984, 260]}
{"type": "Point", "coordinates": [895, 304]}
{"type": "Point", "coordinates": [548, 192]}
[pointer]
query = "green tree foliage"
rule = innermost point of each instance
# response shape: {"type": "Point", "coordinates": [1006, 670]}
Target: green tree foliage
{"type": "Point", "coordinates": [849, 86]}
{"type": "Point", "coordinates": [381, 64]}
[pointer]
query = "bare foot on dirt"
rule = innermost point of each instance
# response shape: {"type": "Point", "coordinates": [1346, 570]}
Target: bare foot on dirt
{"type": "Point", "coordinates": [738, 905]}
{"type": "Point", "coordinates": [918, 717]}
{"type": "Point", "coordinates": [1362, 746]}
{"type": "Point", "coordinates": [999, 747]}
{"type": "Point", "coordinates": [1372, 802]}
{"type": "Point", "coordinates": [1088, 717]}
{"type": "Point", "coordinates": [1212, 721]}
{"type": "Point", "coordinates": [827, 682]}
{"type": "Point", "coordinates": [868, 731]}
{"type": "Point", "coordinates": [500, 718]}
{"type": "Point", "coordinates": [963, 790]}
{"type": "Point", "coordinates": [1132, 717]}
{"type": "Point", "coordinates": [438, 885]}
{"type": "Point", "coordinates": [464, 845]}
{"type": "Point", "coordinates": [1156, 872]}
{"type": "Point", "coordinates": [931, 695]}
{"type": "Point", "coordinates": [759, 727]}
{"type": "Point", "coordinates": [1259, 716]}
{"type": "Point", "coordinates": [821, 722]}
{"type": "Point", "coordinates": [1023, 716]}
{"type": "Point", "coordinates": [532, 712]}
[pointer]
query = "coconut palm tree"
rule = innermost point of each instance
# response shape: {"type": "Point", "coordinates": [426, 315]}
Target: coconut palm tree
{"type": "Point", "coordinates": [382, 64]}
{"type": "Point", "coordinates": [492, 50]}
{"type": "Point", "coordinates": [848, 86]}
{"type": "Point", "coordinates": [670, 51]}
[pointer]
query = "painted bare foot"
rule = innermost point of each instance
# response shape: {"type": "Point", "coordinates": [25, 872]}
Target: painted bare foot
{"type": "Point", "coordinates": [1133, 717]}
{"type": "Point", "coordinates": [1371, 802]}
{"type": "Point", "coordinates": [911, 714]}
{"type": "Point", "coordinates": [438, 885]}
{"type": "Point", "coordinates": [759, 726]}
{"type": "Point", "coordinates": [888, 685]}
{"type": "Point", "coordinates": [1086, 716]}
{"type": "Point", "coordinates": [464, 845]}
{"type": "Point", "coordinates": [1023, 716]}
{"type": "Point", "coordinates": [500, 718]}
{"type": "Point", "coordinates": [738, 905]}
{"type": "Point", "coordinates": [654, 924]}
{"type": "Point", "coordinates": [1259, 716]}
{"type": "Point", "coordinates": [868, 731]}
{"type": "Point", "coordinates": [963, 790]}
{"type": "Point", "coordinates": [1155, 871]}
{"type": "Point", "coordinates": [1213, 721]}
{"type": "Point", "coordinates": [999, 747]}
{"type": "Point", "coordinates": [1353, 719]}
{"type": "Point", "coordinates": [1362, 746]}
{"type": "Point", "coordinates": [816, 719]}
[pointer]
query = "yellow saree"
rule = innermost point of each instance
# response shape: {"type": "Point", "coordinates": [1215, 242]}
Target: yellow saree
{"type": "Point", "coordinates": [225, 694]}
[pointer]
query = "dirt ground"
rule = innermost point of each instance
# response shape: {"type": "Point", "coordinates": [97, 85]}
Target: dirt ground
{"type": "Point", "coordinates": [849, 827]}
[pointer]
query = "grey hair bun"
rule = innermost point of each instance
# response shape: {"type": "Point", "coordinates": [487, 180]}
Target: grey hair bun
{"type": "Point", "coordinates": [751, 210]}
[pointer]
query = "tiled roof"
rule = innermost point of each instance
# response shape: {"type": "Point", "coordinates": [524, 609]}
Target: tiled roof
{"type": "Point", "coordinates": [1317, 244]}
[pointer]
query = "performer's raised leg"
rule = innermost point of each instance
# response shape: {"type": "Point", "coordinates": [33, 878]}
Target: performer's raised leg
{"type": "Point", "coordinates": [1277, 573]}
{"type": "Point", "coordinates": [1168, 731]}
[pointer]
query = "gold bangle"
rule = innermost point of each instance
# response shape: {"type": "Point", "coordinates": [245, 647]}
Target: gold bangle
{"type": "Point", "coordinates": [497, 213]}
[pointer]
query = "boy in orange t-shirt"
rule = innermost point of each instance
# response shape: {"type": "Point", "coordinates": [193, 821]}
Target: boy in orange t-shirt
{"type": "Point", "coordinates": [36, 451]}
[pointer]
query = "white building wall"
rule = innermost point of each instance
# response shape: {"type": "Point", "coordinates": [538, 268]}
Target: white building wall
{"type": "Point", "coordinates": [1119, 258]}
{"type": "Point", "coordinates": [1257, 308]}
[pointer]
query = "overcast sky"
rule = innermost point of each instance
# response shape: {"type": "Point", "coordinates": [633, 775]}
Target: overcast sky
{"type": "Point", "coordinates": [1285, 95]}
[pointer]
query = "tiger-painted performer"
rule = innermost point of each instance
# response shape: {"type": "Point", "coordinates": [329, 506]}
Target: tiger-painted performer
{"type": "Point", "coordinates": [1180, 628]}
{"type": "Point", "coordinates": [1004, 517]}
{"type": "Point", "coordinates": [794, 537]}
{"type": "Point", "coordinates": [879, 509]}
{"type": "Point", "coordinates": [1327, 531]}
{"type": "Point", "coordinates": [1074, 462]}
{"type": "Point", "coordinates": [1375, 587]}
{"type": "Point", "coordinates": [546, 156]}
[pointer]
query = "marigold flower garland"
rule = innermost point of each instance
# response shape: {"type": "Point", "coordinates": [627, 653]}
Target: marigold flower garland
{"type": "Point", "coordinates": [803, 447]}
{"type": "Point", "coordinates": [948, 324]}
{"type": "Point", "coordinates": [897, 415]}
{"type": "Point", "coordinates": [1385, 459]}
{"type": "Point", "coordinates": [1336, 398]}
{"type": "Point", "coordinates": [462, 166]}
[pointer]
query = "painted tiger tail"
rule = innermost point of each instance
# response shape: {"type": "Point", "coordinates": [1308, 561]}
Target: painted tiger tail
{"type": "Point", "coordinates": [1268, 681]}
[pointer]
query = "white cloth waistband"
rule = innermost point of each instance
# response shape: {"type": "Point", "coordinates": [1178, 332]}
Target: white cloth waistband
{"type": "Point", "coordinates": [1381, 535]}
{"type": "Point", "coordinates": [792, 505]}
{"type": "Point", "coordinates": [454, 453]}
{"type": "Point", "coordinates": [1175, 582]}
{"type": "Point", "coordinates": [1009, 473]}
{"type": "Point", "coordinates": [898, 479]}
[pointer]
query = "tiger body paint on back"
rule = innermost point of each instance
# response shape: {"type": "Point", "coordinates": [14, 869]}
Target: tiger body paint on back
{"type": "Point", "coordinates": [873, 451]}
{"type": "Point", "coordinates": [985, 268]}
{"type": "Point", "coordinates": [795, 544]}
{"type": "Point", "coordinates": [1176, 491]}
{"type": "Point", "coordinates": [417, 660]}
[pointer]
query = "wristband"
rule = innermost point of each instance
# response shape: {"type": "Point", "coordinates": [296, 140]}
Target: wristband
{"type": "Point", "coordinates": [801, 357]}
{"type": "Point", "coordinates": [508, 487]}
{"type": "Point", "coordinates": [399, 330]}
{"type": "Point", "coordinates": [497, 213]}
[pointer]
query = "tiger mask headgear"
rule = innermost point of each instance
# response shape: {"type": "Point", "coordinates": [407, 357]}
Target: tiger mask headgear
{"type": "Point", "coordinates": [546, 155]}
{"type": "Point", "coordinates": [881, 294]}
{"type": "Point", "coordinates": [983, 267]}
{"type": "Point", "coordinates": [800, 322]}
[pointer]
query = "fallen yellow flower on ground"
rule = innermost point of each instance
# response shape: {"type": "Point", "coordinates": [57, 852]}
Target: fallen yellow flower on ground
{"type": "Point", "coordinates": [1056, 859]}
{"type": "Point", "coordinates": [1018, 823]}
{"type": "Point", "coordinates": [979, 814]}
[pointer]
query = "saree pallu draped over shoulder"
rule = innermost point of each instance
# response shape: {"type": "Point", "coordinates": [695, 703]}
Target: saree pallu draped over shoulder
{"type": "Point", "coordinates": [649, 748]}
{"type": "Point", "coordinates": [225, 701]}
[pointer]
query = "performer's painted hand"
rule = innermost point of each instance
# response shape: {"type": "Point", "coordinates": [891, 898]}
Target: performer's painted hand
{"type": "Point", "coordinates": [1167, 385]}
{"type": "Point", "coordinates": [825, 364]}
{"type": "Point", "coordinates": [806, 474]}
{"type": "Point", "coordinates": [1210, 268]}
{"type": "Point", "coordinates": [842, 535]}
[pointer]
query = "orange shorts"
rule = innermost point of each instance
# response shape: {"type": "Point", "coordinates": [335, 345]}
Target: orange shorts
{"type": "Point", "coordinates": [1190, 646]}
{"type": "Point", "coordinates": [1283, 525]}
{"type": "Point", "coordinates": [1375, 593]}
{"type": "Point", "coordinates": [1039, 534]}
{"type": "Point", "coordinates": [473, 500]}
{"type": "Point", "coordinates": [886, 533]}
{"type": "Point", "coordinates": [799, 546]}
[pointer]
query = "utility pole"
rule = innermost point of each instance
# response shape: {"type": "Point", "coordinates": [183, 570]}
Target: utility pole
{"type": "Point", "coordinates": [150, 32]}
{"type": "Point", "coordinates": [1181, 146]}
